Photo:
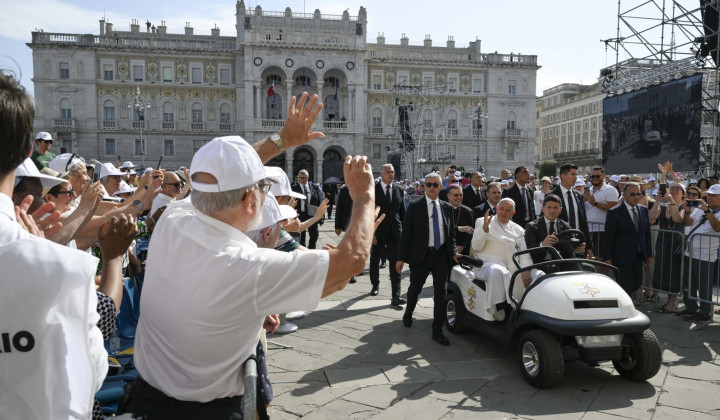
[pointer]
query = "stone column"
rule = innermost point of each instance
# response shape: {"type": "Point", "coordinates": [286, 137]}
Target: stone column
{"type": "Point", "coordinates": [321, 117]}
{"type": "Point", "coordinates": [289, 164]}
{"type": "Point", "coordinates": [258, 101]}
{"type": "Point", "coordinates": [319, 174]}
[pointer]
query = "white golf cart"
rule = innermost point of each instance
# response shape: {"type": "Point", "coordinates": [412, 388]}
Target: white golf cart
{"type": "Point", "coordinates": [573, 314]}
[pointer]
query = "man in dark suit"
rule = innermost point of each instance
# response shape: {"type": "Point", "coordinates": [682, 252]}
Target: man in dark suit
{"type": "Point", "coordinates": [543, 232]}
{"type": "Point", "coordinates": [463, 219]}
{"type": "Point", "coordinates": [343, 211]}
{"type": "Point", "coordinates": [627, 238]}
{"type": "Point", "coordinates": [473, 193]}
{"type": "Point", "coordinates": [428, 245]}
{"type": "Point", "coordinates": [390, 198]}
{"type": "Point", "coordinates": [522, 196]}
{"type": "Point", "coordinates": [573, 209]}
{"type": "Point", "coordinates": [314, 197]}
{"type": "Point", "coordinates": [494, 194]}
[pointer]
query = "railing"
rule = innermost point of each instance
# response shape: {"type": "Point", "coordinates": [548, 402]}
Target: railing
{"type": "Point", "coordinates": [225, 127]}
{"type": "Point", "coordinates": [109, 125]}
{"type": "Point", "coordinates": [376, 131]}
{"type": "Point", "coordinates": [513, 133]}
{"type": "Point", "coordinates": [452, 132]}
{"type": "Point", "coordinates": [272, 124]}
{"type": "Point", "coordinates": [428, 132]}
{"type": "Point", "coordinates": [136, 125]}
{"type": "Point", "coordinates": [64, 122]}
{"type": "Point", "coordinates": [335, 125]}
{"type": "Point", "coordinates": [197, 126]}
{"type": "Point", "coordinates": [168, 125]}
{"type": "Point", "coordinates": [477, 132]}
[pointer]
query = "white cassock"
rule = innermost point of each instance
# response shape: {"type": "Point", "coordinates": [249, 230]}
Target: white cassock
{"type": "Point", "coordinates": [496, 249]}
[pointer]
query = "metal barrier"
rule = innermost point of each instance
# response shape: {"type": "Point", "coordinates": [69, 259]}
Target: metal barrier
{"type": "Point", "coordinates": [702, 274]}
{"type": "Point", "coordinates": [250, 394]}
{"type": "Point", "coordinates": [666, 272]}
{"type": "Point", "coordinates": [597, 230]}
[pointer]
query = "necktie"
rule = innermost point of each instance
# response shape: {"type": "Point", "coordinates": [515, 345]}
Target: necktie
{"type": "Point", "coordinates": [571, 210]}
{"type": "Point", "coordinates": [307, 195]}
{"type": "Point", "coordinates": [387, 193]}
{"type": "Point", "coordinates": [523, 191]}
{"type": "Point", "coordinates": [436, 226]}
{"type": "Point", "coordinates": [636, 219]}
{"type": "Point", "coordinates": [552, 228]}
{"type": "Point", "coordinates": [477, 193]}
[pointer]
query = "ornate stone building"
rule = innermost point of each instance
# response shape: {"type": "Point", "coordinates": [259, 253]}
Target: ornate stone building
{"type": "Point", "coordinates": [193, 88]}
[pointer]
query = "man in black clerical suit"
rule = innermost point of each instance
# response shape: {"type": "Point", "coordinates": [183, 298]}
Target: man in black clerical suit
{"type": "Point", "coordinates": [428, 245]}
{"type": "Point", "coordinates": [462, 219]}
{"type": "Point", "coordinates": [390, 198]}
{"type": "Point", "coordinates": [523, 197]}
{"type": "Point", "coordinates": [573, 206]}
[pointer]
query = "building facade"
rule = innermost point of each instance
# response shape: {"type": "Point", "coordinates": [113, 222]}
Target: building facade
{"type": "Point", "coordinates": [146, 93]}
{"type": "Point", "coordinates": [570, 125]}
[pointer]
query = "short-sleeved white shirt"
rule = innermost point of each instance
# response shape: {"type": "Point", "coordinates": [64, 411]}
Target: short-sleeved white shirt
{"type": "Point", "coordinates": [704, 247]}
{"type": "Point", "coordinates": [595, 215]}
{"type": "Point", "coordinates": [207, 291]}
{"type": "Point", "coordinates": [160, 200]}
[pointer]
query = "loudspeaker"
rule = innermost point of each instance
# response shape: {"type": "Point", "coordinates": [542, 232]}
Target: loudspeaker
{"type": "Point", "coordinates": [404, 121]}
{"type": "Point", "coordinates": [710, 16]}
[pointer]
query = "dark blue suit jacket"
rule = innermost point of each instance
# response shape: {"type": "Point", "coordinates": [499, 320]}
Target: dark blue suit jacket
{"type": "Point", "coordinates": [416, 232]}
{"type": "Point", "coordinates": [394, 211]}
{"type": "Point", "coordinates": [622, 241]}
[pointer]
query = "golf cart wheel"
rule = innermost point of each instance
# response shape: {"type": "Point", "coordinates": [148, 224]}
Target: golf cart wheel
{"type": "Point", "coordinates": [541, 358]}
{"type": "Point", "coordinates": [453, 324]}
{"type": "Point", "coordinates": [641, 356]}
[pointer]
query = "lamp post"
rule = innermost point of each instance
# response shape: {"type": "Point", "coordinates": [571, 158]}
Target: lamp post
{"type": "Point", "coordinates": [479, 113]}
{"type": "Point", "coordinates": [140, 104]}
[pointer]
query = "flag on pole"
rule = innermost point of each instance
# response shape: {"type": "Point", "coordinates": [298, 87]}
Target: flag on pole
{"type": "Point", "coordinates": [271, 89]}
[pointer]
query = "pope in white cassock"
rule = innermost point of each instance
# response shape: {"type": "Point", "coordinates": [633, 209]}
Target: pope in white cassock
{"type": "Point", "coordinates": [495, 240]}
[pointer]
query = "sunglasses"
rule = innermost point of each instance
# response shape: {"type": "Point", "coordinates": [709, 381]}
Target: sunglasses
{"type": "Point", "coordinates": [693, 194]}
{"type": "Point", "coordinates": [67, 165]}
{"type": "Point", "coordinates": [47, 141]}
{"type": "Point", "coordinates": [596, 176]}
{"type": "Point", "coordinates": [432, 185]}
{"type": "Point", "coordinates": [634, 194]}
{"type": "Point", "coordinates": [70, 192]}
{"type": "Point", "coordinates": [174, 184]}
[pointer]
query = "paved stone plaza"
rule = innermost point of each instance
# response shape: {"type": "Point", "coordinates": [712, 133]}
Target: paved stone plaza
{"type": "Point", "coordinates": [353, 358]}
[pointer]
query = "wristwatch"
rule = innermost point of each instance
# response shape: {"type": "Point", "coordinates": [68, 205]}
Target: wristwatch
{"type": "Point", "coordinates": [138, 204]}
{"type": "Point", "coordinates": [278, 141]}
{"type": "Point", "coordinates": [708, 211]}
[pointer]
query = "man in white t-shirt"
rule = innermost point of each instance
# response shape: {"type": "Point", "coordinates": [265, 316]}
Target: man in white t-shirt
{"type": "Point", "coordinates": [208, 287]}
{"type": "Point", "coordinates": [598, 200]}
{"type": "Point", "coordinates": [168, 191]}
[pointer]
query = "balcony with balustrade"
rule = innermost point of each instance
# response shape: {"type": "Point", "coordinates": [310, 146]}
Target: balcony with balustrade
{"type": "Point", "coordinates": [513, 133]}
{"type": "Point", "coordinates": [64, 123]}
{"type": "Point", "coordinates": [109, 125]}
{"type": "Point", "coordinates": [137, 125]}
{"type": "Point", "coordinates": [197, 126]}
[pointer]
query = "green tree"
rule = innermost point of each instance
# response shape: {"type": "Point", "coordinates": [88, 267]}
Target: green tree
{"type": "Point", "coordinates": [547, 168]}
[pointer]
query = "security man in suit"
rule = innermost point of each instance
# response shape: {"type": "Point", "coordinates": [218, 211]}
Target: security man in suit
{"type": "Point", "coordinates": [428, 245]}
{"type": "Point", "coordinates": [390, 198]}
{"type": "Point", "coordinates": [523, 197]}
{"type": "Point", "coordinates": [573, 208]}
{"type": "Point", "coordinates": [543, 232]}
{"type": "Point", "coordinates": [343, 212]}
{"type": "Point", "coordinates": [314, 197]}
{"type": "Point", "coordinates": [627, 238]}
{"type": "Point", "coordinates": [494, 194]}
{"type": "Point", "coordinates": [474, 193]}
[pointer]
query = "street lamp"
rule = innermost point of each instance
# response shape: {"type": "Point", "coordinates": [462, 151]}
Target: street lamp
{"type": "Point", "coordinates": [480, 114]}
{"type": "Point", "coordinates": [140, 104]}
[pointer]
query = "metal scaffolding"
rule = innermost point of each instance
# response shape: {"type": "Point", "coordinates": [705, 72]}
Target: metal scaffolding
{"type": "Point", "coordinates": [660, 40]}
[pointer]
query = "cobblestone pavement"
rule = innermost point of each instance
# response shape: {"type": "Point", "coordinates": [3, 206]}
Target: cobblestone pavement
{"type": "Point", "coordinates": [353, 358]}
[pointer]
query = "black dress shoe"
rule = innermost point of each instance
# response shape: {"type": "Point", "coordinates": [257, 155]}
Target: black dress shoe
{"type": "Point", "coordinates": [440, 338]}
{"type": "Point", "coordinates": [374, 291]}
{"type": "Point", "coordinates": [685, 313]}
{"type": "Point", "coordinates": [398, 302]}
{"type": "Point", "coordinates": [407, 320]}
{"type": "Point", "coordinates": [352, 280]}
{"type": "Point", "coordinates": [698, 318]}
{"type": "Point", "coordinates": [382, 265]}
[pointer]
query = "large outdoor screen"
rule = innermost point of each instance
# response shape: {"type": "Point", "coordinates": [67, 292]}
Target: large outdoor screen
{"type": "Point", "coordinates": [656, 124]}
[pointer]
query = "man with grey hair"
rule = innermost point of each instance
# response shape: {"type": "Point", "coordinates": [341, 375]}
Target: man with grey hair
{"type": "Point", "coordinates": [428, 245]}
{"type": "Point", "coordinates": [308, 207]}
{"type": "Point", "coordinates": [627, 238]}
{"type": "Point", "coordinates": [208, 287]}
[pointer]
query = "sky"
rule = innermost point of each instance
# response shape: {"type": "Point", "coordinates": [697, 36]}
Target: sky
{"type": "Point", "coordinates": [564, 34]}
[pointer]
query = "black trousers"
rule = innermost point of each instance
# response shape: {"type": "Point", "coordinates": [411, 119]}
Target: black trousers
{"type": "Point", "coordinates": [436, 262]}
{"type": "Point", "coordinates": [631, 275]}
{"type": "Point", "coordinates": [312, 231]}
{"type": "Point", "coordinates": [376, 252]}
{"type": "Point", "coordinates": [147, 400]}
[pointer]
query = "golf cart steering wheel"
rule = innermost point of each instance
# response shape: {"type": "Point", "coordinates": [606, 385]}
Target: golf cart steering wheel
{"type": "Point", "coordinates": [571, 238]}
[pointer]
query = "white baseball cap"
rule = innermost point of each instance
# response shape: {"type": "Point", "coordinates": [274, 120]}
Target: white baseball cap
{"type": "Point", "coordinates": [64, 162]}
{"type": "Point", "coordinates": [579, 183]}
{"type": "Point", "coordinates": [231, 160]}
{"type": "Point", "coordinates": [126, 164]}
{"type": "Point", "coordinates": [108, 169]}
{"type": "Point", "coordinates": [28, 169]}
{"type": "Point", "coordinates": [272, 212]}
{"type": "Point", "coordinates": [43, 135]}
{"type": "Point", "coordinates": [457, 173]}
{"type": "Point", "coordinates": [281, 186]}
{"type": "Point", "coordinates": [676, 184]}
{"type": "Point", "coordinates": [148, 169]}
{"type": "Point", "coordinates": [124, 188]}
{"type": "Point", "coordinates": [615, 178]}
{"type": "Point", "coordinates": [714, 189]}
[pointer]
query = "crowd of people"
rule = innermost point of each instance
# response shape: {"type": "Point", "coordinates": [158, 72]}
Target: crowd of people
{"type": "Point", "coordinates": [227, 253]}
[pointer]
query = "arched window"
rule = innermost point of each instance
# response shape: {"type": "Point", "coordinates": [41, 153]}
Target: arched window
{"type": "Point", "coordinates": [65, 109]}
{"type": "Point", "coordinates": [197, 112]}
{"type": "Point", "coordinates": [273, 78]}
{"type": "Point", "coordinates": [109, 110]}
{"type": "Point", "coordinates": [331, 82]}
{"type": "Point", "coordinates": [376, 117]}
{"type": "Point", "coordinates": [452, 119]}
{"type": "Point", "coordinates": [511, 120]}
{"type": "Point", "coordinates": [273, 110]}
{"type": "Point", "coordinates": [302, 81]}
{"type": "Point", "coordinates": [332, 107]}
{"type": "Point", "coordinates": [168, 110]}
{"type": "Point", "coordinates": [225, 117]}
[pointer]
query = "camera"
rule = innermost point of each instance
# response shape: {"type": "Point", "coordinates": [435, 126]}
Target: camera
{"type": "Point", "coordinates": [663, 189]}
{"type": "Point", "coordinates": [692, 203]}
